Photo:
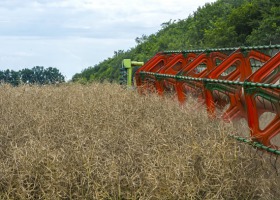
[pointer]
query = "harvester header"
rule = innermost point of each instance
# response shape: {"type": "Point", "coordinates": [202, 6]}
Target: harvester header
{"type": "Point", "coordinates": [231, 83]}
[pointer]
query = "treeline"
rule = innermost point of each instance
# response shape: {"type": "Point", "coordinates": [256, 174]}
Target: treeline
{"type": "Point", "coordinates": [224, 23]}
{"type": "Point", "coordinates": [37, 75]}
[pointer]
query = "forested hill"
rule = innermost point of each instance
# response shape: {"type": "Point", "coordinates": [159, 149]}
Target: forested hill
{"type": "Point", "coordinates": [225, 23]}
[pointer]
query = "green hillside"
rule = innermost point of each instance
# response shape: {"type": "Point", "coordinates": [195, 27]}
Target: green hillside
{"type": "Point", "coordinates": [225, 23]}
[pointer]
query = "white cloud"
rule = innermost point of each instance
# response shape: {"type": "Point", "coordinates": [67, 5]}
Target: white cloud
{"type": "Point", "coordinates": [73, 34]}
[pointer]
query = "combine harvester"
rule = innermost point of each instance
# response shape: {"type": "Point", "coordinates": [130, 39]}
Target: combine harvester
{"type": "Point", "coordinates": [232, 83]}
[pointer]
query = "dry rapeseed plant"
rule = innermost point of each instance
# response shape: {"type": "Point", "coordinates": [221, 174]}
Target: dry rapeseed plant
{"type": "Point", "coordinates": [100, 141]}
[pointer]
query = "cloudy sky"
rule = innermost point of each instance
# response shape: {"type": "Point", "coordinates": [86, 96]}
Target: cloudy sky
{"type": "Point", "coordinates": [74, 34]}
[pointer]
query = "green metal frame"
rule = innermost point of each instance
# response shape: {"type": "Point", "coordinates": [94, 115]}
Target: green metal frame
{"type": "Point", "coordinates": [128, 65]}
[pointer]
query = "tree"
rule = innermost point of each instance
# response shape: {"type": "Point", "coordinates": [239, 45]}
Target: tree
{"type": "Point", "coordinates": [27, 76]}
{"type": "Point", "coordinates": [52, 75]}
{"type": "Point", "coordinates": [36, 75]}
{"type": "Point", "coordinates": [224, 23]}
{"type": "Point", "coordinates": [10, 76]}
{"type": "Point", "coordinates": [268, 29]}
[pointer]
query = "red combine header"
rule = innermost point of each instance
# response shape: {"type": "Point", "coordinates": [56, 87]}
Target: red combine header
{"type": "Point", "coordinates": [236, 82]}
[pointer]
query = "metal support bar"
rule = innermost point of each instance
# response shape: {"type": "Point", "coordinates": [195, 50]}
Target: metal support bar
{"type": "Point", "coordinates": [256, 144]}
{"type": "Point", "coordinates": [224, 49]}
{"type": "Point", "coordinates": [264, 85]}
{"type": "Point", "coordinates": [128, 65]}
